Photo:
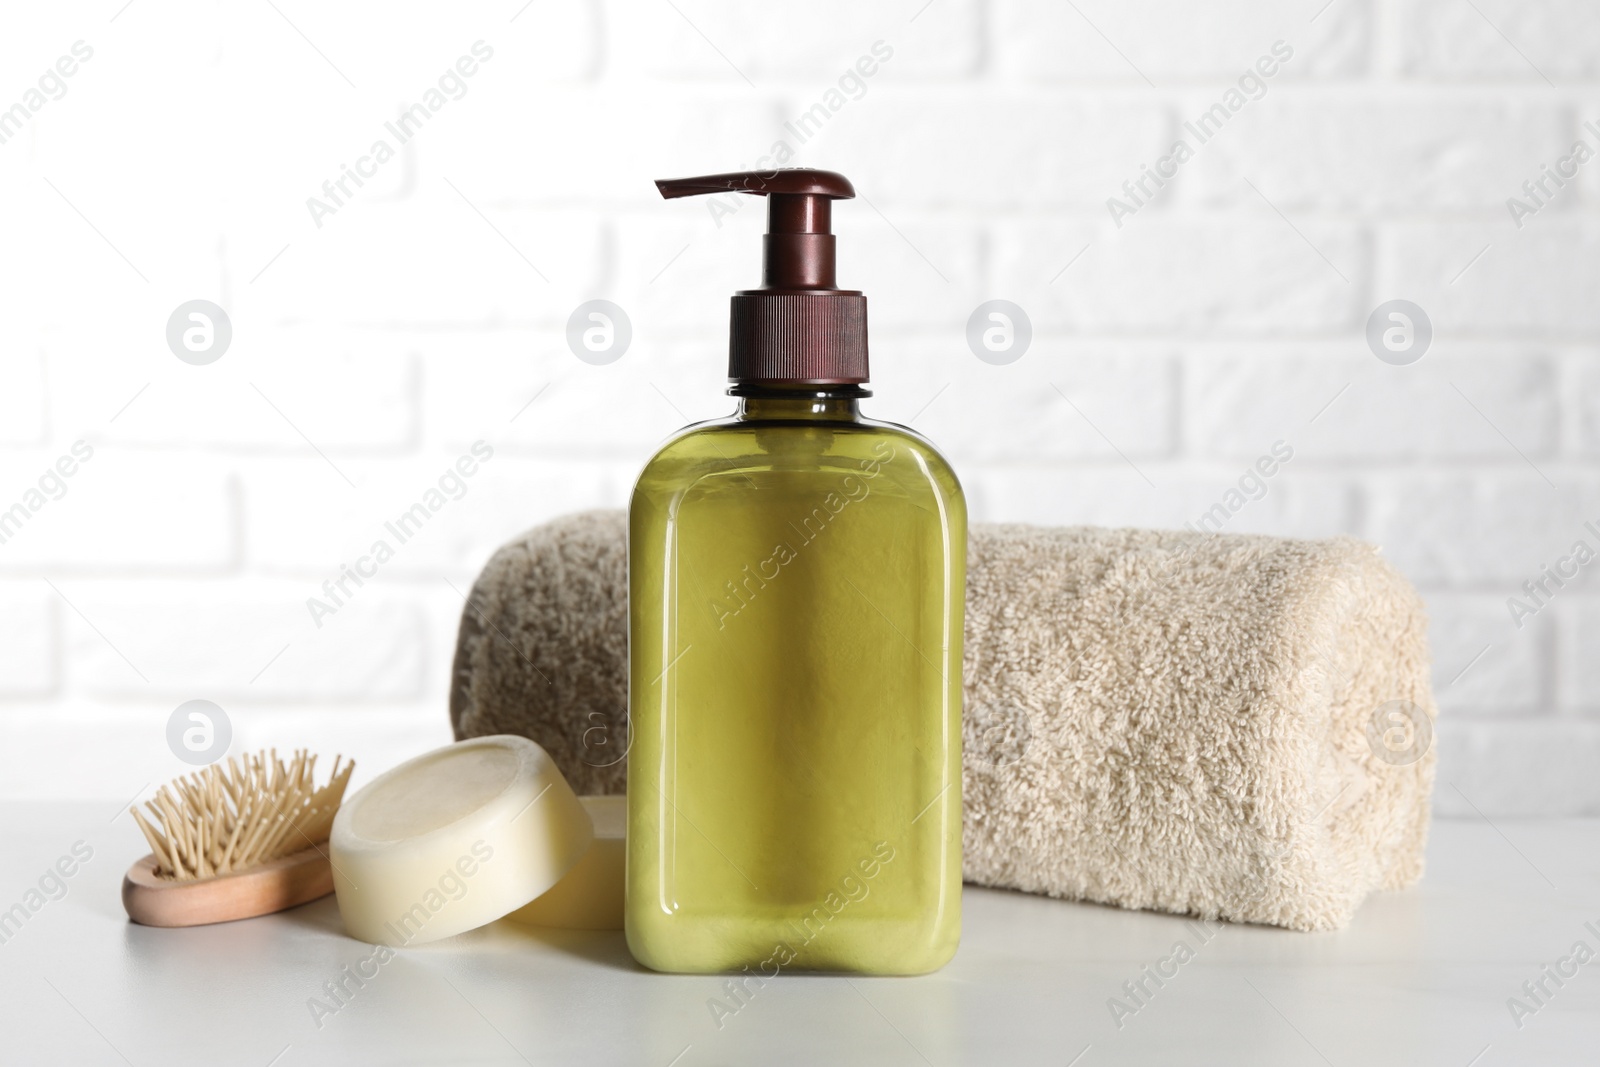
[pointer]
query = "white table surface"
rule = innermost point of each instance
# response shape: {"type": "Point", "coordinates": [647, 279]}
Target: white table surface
{"type": "Point", "coordinates": [1419, 978]}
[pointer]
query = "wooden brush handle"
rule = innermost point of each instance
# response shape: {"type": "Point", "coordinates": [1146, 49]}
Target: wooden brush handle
{"type": "Point", "coordinates": [282, 883]}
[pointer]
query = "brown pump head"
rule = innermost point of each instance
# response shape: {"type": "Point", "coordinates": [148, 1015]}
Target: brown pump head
{"type": "Point", "coordinates": [797, 330]}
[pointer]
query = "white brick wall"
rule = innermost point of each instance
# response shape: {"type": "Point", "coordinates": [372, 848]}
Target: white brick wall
{"type": "Point", "coordinates": [422, 316]}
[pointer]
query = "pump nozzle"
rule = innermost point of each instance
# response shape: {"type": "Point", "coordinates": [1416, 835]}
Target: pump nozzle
{"type": "Point", "coordinates": [794, 181]}
{"type": "Point", "coordinates": [799, 246]}
{"type": "Point", "coordinates": [798, 328]}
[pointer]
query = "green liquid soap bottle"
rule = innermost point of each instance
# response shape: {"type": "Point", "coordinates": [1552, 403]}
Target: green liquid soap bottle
{"type": "Point", "coordinates": [796, 576]}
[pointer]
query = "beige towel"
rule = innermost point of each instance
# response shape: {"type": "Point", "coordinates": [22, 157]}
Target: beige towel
{"type": "Point", "coordinates": [1227, 726]}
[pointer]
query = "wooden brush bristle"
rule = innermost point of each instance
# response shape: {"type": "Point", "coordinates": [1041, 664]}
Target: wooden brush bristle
{"type": "Point", "coordinates": [218, 821]}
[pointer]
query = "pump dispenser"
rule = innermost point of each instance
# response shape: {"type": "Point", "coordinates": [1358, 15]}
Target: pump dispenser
{"type": "Point", "coordinates": [798, 328]}
{"type": "Point", "coordinates": [796, 585]}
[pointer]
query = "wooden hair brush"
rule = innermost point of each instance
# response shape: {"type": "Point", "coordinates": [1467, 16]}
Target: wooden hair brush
{"type": "Point", "coordinates": [233, 843]}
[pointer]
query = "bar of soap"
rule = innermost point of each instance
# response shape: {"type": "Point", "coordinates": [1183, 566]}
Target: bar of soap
{"type": "Point", "coordinates": [453, 840]}
{"type": "Point", "coordinates": [590, 896]}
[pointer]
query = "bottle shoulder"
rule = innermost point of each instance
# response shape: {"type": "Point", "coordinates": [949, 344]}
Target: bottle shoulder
{"type": "Point", "coordinates": [926, 450]}
{"type": "Point", "coordinates": [743, 447]}
{"type": "Point", "coordinates": [698, 437]}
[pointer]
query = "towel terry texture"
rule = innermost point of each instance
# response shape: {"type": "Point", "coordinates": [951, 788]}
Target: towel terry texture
{"type": "Point", "coordinates": [1228, 726]}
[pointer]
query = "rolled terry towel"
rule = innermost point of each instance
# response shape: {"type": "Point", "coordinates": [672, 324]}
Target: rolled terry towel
{"type": "Point", "coordinates": [1228, 726]}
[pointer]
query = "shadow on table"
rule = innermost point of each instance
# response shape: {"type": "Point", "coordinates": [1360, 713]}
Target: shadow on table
{"type": "Point", "coordinates": [607, 948]}
{"type": "Point", "coordinates": [321, 915]}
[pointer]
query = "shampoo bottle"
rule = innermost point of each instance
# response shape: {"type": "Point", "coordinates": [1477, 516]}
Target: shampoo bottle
{"type": "Point", "coordinates": [796, 576]}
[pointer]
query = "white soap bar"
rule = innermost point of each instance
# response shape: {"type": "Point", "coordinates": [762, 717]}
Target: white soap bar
{"type": "Point", "coordinates": [590, 896]}
{"type": "Point", "coordinates": [453, 840]}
